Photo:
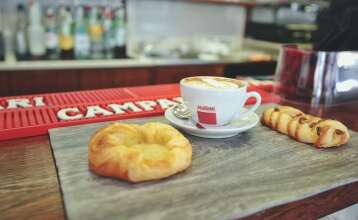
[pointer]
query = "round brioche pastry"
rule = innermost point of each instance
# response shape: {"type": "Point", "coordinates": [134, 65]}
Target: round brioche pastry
{"type": "Point", "coordinates": [138, 153]}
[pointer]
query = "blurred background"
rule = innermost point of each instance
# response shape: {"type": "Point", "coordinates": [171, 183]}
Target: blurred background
{"type": "Point", "coordinates": [66, 45]}
{"type": "Point", "coordinates": [70, 45]}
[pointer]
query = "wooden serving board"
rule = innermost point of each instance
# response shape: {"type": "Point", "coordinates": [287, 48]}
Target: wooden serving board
{"type": "Point", "coordinates": [229, 178]}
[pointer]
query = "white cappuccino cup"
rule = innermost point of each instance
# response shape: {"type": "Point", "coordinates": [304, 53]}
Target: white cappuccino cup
{"type": "Point", "coordinates": [215, 101]}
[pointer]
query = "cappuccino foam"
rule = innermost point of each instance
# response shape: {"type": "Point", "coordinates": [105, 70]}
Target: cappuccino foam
{"type": "Point", "coordinates": [211, 82]}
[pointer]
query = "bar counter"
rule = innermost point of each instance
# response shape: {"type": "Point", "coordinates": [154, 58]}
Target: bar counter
{"type": "Point", "coordinates": [109, 64]}
{"type": "Point", "coordinates": [29, 185]}
{"type": "Point", "coordinates": [250, 47]}
{"type": "Point", "coordinates": [71, 75]}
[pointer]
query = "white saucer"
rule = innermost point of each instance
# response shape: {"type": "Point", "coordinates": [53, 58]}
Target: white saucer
{"type": "Point", "coordinates": [235, 127]}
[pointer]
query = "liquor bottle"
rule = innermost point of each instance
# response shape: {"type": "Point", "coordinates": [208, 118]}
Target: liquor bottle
{"type": "Point", "coordinates": [36, 31]}
{"type": "Point", "coordinates": [119, 33]}
{"type": "Point", "coordinates": [21, 45]}
{"type": "Point", "coordinates": [87, 13]}
{"type": "Point", "coordinates": [82, 40]}
{"type": "Point", "coordinates": [2, 40]}
{"type": "Point", "coordinates": [2, 46]}
{"type": "Point", "coordinates": [96, 32]}
{"type": "Point", "coordinates": [52, 47]}
{"type": "Point", "coordinates": [62, 14]}
{"type": "Point", "coordinates": [108, 43]}
{"type": "Point", "coordinates": [66, 34]}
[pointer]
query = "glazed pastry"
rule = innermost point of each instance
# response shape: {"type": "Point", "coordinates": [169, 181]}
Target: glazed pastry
{"type": "Point", "coordinates": [304, 127]}
{"type": "Point", "coordinates": [138, 152]}
{"type": "Point", "coordinates": [276, 120]}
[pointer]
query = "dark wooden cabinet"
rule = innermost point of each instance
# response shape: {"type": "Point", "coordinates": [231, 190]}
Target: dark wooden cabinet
{"type": "Point", "coordinates": [109, 78]}
{"type": "Point", "coordinates": [27, 82]}
{"type": "Point", "coordinates": [45, 81]}
{"type": "Point", "coordinates": [4, 84]}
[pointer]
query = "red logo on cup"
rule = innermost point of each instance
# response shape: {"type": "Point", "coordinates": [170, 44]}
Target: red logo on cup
{"type": "Point", "coordinates": [206, 114]}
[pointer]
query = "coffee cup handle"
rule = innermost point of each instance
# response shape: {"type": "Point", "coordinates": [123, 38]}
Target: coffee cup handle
{"type": "Point", "coordinates": [252, 108]}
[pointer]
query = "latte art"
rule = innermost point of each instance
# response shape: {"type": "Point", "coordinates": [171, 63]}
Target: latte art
{"type": "Point", "coordinates": [216, 101]}
{"type": "Point", "coordinates": [212, 82]}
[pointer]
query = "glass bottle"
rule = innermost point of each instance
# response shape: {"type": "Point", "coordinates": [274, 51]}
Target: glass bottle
{"type": "Point", "coordinates": [96, 34]}
{"type": "Point", "coordinates": [66, 34]}
{"type": "Point", "coordinates": [2, 41]}
{"type": "Point", "coordinates": [82, 40]}
{"type": "Point", "coordinates": [52, 44]}
{"type": "Point", "coordinates": [2, 46]}
{"type": "Point", "coordinates": [21, 45]}
{"type": "Point", "coordinates": [36, 31]}
{"type": "Point", "coordinates": [119, 33]}
{"type": "Point", "coordinates": [108, 43]}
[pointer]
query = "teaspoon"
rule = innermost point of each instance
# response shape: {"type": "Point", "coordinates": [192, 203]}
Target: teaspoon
{"type": "Point", "coordinates": [181, 111]}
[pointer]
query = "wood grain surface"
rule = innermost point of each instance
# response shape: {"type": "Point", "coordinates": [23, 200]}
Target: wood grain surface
{"type": "Point", "coordinates": [314, 207]}
{"type": "Point", "coordinates": [28, 180]}
{"type": "Point", "coordinates": [229, 178]}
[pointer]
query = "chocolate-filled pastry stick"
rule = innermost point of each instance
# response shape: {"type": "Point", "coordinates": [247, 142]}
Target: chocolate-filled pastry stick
{"type": "Point", "coordinates": [322, 133]}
